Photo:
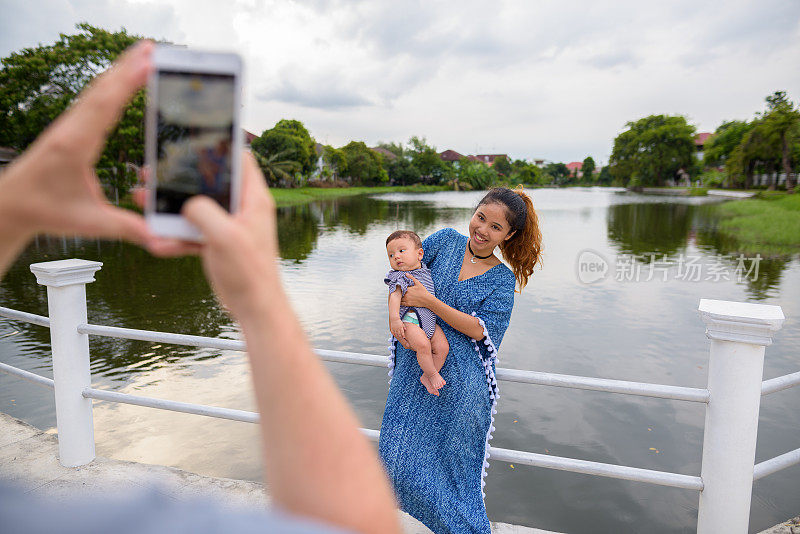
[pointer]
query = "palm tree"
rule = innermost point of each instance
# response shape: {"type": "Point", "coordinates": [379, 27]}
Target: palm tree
{"type": "Point", "coordinates": [275, 168]}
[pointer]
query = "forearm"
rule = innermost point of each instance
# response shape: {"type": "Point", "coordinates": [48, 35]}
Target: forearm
{"type": "Point", "coordinates": [463, 322]}
{"type": "Point", "coordinates": [338, 478]}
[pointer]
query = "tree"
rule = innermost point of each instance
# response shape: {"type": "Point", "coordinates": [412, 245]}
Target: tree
{"type": "Point", "coordinates": [525, 173]}
{"type": "Point", "coordinates": [402, 172]}
{"type": "Point", "coordinates": [783, 120]}
{"type": "Point", "coordinates": [502, 166]}
{"type": "Point", "coordinates": [334, 159]}
{"type": "Point", "coordinates": [37, 84]}
{"type": "Point", "coordinates": [760, 147]}
{"type": "Point", "coordinates": [604, 178]}
{"type": "Point", "coordinates": [556, 172]}
{"type": "Point", "coordinates": [394, 148]}
{"type": "Point", "coordinates": [289, 137]}
{"type": "Point", "coordinates": [363, 165]}
{"type": "Point", "coordinates": [652, 149]}
{"type": "Point", "coordinates": [588, 169]}
{"type": "Point", "coordinates": [426, 159]}
{"type": "Point", "coordinates": [474, 174]}
{"type": "Point", "coordinates": [276, 169]}
{"type": "Point", "coordinates": [726, 137]}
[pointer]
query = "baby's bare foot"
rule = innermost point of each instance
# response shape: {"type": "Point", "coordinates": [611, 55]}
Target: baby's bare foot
{"type": "Point", "coordinates": [437, 381]}
{"type": "Point", "coordinates": [427, 383]}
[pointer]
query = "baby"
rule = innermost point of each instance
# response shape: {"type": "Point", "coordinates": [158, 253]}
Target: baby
{"type": "Point", "coordinates": [424, 336]}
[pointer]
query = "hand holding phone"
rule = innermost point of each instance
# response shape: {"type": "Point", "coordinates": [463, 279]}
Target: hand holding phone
{"type": "Point", "coordinates": [193, 135]}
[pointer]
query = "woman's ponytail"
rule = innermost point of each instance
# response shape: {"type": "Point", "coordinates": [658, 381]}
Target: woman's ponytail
{"type": "Point", "coordinates": [524, 249]}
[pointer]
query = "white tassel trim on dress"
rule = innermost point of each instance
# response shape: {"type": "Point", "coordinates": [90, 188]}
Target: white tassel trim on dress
{"type": "Point", "coordinates": [494, 394]}
{"type": "Point", "coordinates": [392, 346]}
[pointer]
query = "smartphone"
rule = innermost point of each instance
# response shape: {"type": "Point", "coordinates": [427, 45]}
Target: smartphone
{"type": "Point", "coordinates": [193, 136]}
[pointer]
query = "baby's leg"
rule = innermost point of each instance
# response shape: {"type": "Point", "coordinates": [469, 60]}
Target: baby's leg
{"type": "Point", "coordinates": [420, 343]}
{"type": "Point", "coordinates": [439, 347]}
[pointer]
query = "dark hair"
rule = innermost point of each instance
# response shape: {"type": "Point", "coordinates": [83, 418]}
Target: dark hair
{"type": "Point", "coordinates": [524, 249]}
{"type": "Point", "coordinates": [405, 233]}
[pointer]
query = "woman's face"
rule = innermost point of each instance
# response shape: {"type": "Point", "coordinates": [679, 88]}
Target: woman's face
{"type": "Point", "coordinates": [488, 228]}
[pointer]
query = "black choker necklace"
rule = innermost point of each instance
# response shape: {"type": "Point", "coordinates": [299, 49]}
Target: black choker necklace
{"type": "Point", "coordinates": [472, 260]}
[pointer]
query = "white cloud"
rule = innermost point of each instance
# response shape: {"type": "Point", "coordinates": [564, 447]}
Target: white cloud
{"type": "Point", "coordinates": [548, 79]}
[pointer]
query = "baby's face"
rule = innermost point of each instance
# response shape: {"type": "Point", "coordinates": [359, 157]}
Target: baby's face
{"type": "Point", "coordinates": [403, 254]}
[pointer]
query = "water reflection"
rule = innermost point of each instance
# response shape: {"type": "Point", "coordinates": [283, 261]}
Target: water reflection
{"type": "Point", "coordinates": [650, 228]}
{"type": "Point", "coordinates": [333, 257]}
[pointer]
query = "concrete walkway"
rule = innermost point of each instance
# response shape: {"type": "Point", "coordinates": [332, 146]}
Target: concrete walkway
{"type": "Point", "coordinates": [28, 458]}
{"type": "Point", "coordinates": [791, 526]}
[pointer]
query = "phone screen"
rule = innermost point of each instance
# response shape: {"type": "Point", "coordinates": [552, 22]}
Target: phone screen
{"type": "Point", "coordinates": [195, 133]}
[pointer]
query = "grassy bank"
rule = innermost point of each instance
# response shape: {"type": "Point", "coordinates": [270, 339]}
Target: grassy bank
{"type": "Point", "coordinates": [768, 222]}
{"type": "Point", "coordinates": [303, 195]}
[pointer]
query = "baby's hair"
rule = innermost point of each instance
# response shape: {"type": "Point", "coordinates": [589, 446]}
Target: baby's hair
{"type": "Point", "coordinates": [405, 233]}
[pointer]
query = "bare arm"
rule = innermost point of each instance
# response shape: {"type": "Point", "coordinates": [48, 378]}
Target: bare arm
{"type": "Point", "coordinates": [395, 321]}
{"type": "Point", "coordinates": [417, 295]}
{"type": "Point", "coordinates": [394, 304]}
{"type": "Point", "coordinates": [338, 479]}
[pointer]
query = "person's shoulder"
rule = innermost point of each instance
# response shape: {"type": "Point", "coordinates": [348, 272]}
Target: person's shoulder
{"type": "Point", "coordinates": [444, 234]}
{"type": "Point", "coordinates": [506, 276]}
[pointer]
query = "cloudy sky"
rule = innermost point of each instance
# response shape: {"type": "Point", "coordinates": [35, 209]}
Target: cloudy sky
{"type": "Point", "coordinates": [534, 79]}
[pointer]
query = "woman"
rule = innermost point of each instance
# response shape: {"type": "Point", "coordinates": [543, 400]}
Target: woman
{"type": "Point", "coordinates": [434, 448]}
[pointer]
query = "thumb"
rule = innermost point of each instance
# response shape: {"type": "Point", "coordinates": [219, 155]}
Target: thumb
{"type": "Point", "coordinates": [411, 276]}
{"type": "Point", "coordinates": [208, 216]}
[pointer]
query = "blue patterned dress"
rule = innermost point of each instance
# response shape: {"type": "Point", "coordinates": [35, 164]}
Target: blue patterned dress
{"type": "Point", "coordinates": [434, 448]}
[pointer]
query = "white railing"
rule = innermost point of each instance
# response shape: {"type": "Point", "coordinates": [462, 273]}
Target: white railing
{"type": "Point", "coordinates": [739, 333]}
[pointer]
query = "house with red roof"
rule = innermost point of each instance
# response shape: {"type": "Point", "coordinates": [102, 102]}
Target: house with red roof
{"type": "Point", "coordinates": [575, 168]}
{"type": "Point", "coordinates": [450, 156]}
{"type": "Point", "coordinates": [700, 141]}
{"type": "Point", "coordinates": [249, 137]}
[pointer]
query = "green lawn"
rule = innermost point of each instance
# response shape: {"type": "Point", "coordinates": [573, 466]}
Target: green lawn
{"type": "Point", "coordinates": [768, 222]}
{"type": "Point", "coordinates": [303, 195]}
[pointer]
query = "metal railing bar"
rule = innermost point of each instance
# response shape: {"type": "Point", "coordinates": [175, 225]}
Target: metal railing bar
{"type": "Point", "coordinates": [352, 357]}
{"type": "Point", "coordinates": [510, 375]}
{"type": "Point", "coordinates": [776, 464]}
{"type": "Point", "coordinates": [26, 375]}
{"type": "Point", "coordinates": [603, 384]}
{"type": "Point", "coordinates": [162, 337]}
{"type": "Point", "coordinates": [174, 406]}
{"type": "Point", "coordinates": [186, 407]}
{"type": "Point", "coordinates": [17, 315]}
{"type": "Point", "coordinates": [780, 383]}
{"type": "Point", "coordinates": [560, 463]}
{"type": "Point", "coordinates": [224, 344]}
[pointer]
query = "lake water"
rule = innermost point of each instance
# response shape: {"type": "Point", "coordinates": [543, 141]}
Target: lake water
{"type": "Point", "coordinates": [640, 323]}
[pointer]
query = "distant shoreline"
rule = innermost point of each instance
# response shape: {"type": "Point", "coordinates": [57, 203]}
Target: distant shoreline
{"type": "Point", "coordinates": [303, 195]}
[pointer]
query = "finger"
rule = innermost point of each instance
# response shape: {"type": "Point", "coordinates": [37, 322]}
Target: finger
{"type": "Point", "coordinates": [119, 223]}
{"type": "Point", "coordinates": [168, 248]}
{"type": "Point", "coordinates": [98, 107]}
{"type": "Point", "coordinates": [254, 186]}
{"type": "Point", "coordinates": [209, 217]}
{"type": "Point", "coordinates": [409, 275]}
{"type": "Point", "coordinates": [144, 175]}
{"type": "Point", "coordinates": [139, 195]}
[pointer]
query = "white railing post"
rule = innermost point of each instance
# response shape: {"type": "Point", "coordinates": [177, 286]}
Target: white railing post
{"type": "Point", "coordinates": [739, 333]}
{"type": "Point", "coordinates": [66, 301]}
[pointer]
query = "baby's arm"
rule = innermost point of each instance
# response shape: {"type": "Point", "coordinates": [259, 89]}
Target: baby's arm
{"type": "Point", "coordinates": [395, 324]}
